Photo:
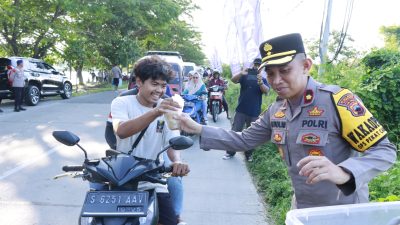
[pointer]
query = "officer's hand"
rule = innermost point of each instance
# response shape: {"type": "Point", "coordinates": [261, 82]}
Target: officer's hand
{"type": "Point", "coordinates": [188, 125]}
{"type": "Point", "coordinates": [180, 169]}
{"type": "Point", "coordinates": [167, 105]}
{"type": "Point", "coordinates": [318, 168]}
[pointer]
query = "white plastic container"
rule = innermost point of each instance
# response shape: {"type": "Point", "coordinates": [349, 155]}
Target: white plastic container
{"type": "Point", "coordinates": [377, 213]}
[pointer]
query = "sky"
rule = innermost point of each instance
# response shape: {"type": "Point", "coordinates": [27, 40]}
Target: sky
{"type": "Point", "coordinates": [303, 16]}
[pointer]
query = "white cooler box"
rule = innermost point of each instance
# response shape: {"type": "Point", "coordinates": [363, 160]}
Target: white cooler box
{"type": "Point", "coordinates": [376, 213]}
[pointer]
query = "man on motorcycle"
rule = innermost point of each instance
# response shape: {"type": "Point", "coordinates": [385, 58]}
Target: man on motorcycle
{"type": "Point", "coordinates": [144, 112]}
{"type": "Point", "coordinates": [216, 80]}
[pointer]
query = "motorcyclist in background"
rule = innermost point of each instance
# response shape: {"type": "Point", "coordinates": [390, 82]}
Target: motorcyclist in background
{"type": "Point", "coordinates": [216, 80]}
{"type": "Point", "coordinates": [197, 87]}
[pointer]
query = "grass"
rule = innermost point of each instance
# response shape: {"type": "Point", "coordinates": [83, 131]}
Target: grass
{"type": "Point", "coordinates": [91, 88]}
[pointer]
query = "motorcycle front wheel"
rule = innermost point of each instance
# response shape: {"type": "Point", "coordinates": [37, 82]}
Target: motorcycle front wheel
{"type": "Point", "coordinates": [215, 109]}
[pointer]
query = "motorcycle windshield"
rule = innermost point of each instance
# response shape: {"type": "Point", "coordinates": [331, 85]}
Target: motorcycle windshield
{"type": "Point", "coordinates": [123, 168]}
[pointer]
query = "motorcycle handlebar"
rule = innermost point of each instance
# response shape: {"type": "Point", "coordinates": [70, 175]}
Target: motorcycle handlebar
{"type": "Point", "coordinates": [72, 168]}
{"type": "Point", "coordinates": [166, 169]}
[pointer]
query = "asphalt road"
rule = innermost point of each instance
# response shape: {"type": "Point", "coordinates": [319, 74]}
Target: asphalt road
{"type": "Point", "coordinates": [216, 191]}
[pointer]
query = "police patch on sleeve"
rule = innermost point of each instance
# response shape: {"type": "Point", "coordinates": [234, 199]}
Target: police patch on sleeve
{"type": "Point", "coordinates": [359, 128]}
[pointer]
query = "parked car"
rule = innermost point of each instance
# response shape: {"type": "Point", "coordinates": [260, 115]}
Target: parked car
{"type": "Point", "coordinates": [42, 80]}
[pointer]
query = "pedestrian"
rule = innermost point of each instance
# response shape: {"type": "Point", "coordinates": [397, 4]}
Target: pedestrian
{"type": "Point", "coordinates": [331, 144]}
{"type": "Point", "coordinates": [252, 88]}
{"type": "Point", "coordinates": [216, 80]}
{"type": "Point", "coordinates": [117, 74]}
{"type": "Point", "coordinates": [17, 77]}
{"type": "Point", "coordinates": [144, 113]}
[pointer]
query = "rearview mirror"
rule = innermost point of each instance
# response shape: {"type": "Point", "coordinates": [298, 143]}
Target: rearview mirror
{"type": "Point", "coordinates": [180, 142]}
{"type": "Point", "coordinates": [66, 137]}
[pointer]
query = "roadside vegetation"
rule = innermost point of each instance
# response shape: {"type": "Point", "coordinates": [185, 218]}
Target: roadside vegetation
{"type": "Point", "coordinates": [375, 77]}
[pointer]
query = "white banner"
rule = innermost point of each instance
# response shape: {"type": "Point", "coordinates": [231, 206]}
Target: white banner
{"type": "Point", "coordinates": [244, 32]}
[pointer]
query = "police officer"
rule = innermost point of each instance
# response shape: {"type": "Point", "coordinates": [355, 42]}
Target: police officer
{"type": "Point", "coordinates": [331, 143]}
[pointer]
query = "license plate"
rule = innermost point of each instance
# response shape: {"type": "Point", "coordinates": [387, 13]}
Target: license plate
{"type": "Point", "coordinates": [115, 203]}
{"type": "Point", "coordinates": [189, 104]}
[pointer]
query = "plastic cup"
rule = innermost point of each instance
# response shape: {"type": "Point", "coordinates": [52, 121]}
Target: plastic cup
{"type": "Point", "coordinates": [172, 123]}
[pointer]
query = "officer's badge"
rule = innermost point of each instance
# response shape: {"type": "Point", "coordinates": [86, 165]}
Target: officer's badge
{"type": "Point", "coordinates": [277, 137]}
{"type": "Point", "coordinates": [310, 138]}
{"type": "Point", "coordinates": [308, 96]}
{"type": "Point", "coordinates": [315, 152]}
{"type": "Point", "coordinates": [315, 111]}
{"type": "Point", "coordinates": [268, 48]}
{"type": "Point", "coordinates": [160, 126]}
{"type": "Point", "coordinates": [351, 104]}
{"type": "Point", "coordinates": [279, 114]}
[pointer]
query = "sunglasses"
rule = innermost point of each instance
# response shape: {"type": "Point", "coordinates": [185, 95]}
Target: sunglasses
{"type": "Point", "coordinates": [195, 77]}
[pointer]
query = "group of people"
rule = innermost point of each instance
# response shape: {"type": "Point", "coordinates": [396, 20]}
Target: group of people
{"type": "Point", "coordinates": [196, 86]}
{"type": "Point", "coordinates": [332, 145]}
{"type": "Point", "coordinates": [17, 78]}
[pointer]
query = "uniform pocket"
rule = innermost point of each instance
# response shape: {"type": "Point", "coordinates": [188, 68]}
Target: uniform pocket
{"type": "Point", "coordinates": [313, 142]}
{"type": "Point", "coordinates": [278, 137]}
{"type": "Point", "coordinates": [312, 137]}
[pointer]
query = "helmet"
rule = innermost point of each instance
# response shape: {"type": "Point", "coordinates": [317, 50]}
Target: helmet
{"type": "Point", "coordinates": [215, 71]}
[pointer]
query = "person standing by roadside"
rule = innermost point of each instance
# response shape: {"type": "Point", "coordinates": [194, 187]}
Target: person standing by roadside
{"type": "Point", "coordinates": [252, 87]}
{"type": "Point", "coordinates": [117, 74]}
{"type": "Point", "coordinates": [18, 82]}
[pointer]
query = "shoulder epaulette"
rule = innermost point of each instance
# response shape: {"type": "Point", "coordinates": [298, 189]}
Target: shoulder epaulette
{"type": "Point", "coordinates": [331, 88]}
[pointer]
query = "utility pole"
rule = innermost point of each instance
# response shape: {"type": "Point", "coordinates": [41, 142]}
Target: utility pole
{"type": "Point", "coordinates": [323, 48]}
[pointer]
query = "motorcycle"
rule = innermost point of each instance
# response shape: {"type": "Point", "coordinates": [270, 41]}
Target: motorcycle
{"type": "Point", "coordinates": [121, 203]}
{"type": "Point", "coordinates": [192, 107]}
{"type": "Point", "coordinates": [215, 101]}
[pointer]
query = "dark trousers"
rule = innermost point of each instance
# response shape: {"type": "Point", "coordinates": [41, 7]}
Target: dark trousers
{"type": "Point", "coordinates": [18, 95]}
{"type": "Point", "coordinates": [225, 104]}
{"type": "Point", "coordinates": [240, 120]}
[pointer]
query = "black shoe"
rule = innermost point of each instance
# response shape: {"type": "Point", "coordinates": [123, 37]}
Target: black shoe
{"type": "Point", "coordinates": [16, 110]}
{"type": "Point", "coordinates": [23, 109]}
{"type": "Point", "coordinates": [1, 111]}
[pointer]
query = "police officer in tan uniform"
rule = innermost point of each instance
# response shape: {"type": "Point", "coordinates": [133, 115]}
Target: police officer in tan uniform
{"type": "Point", "coordinates": [331, 143]}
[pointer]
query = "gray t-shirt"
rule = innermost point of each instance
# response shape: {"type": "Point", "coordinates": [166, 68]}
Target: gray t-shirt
{"type": "Point", "coordinates": [116, 71]}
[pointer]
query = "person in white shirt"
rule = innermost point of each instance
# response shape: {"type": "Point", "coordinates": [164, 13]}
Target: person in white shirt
{"type": "Point", "coordinates": [133, 113]}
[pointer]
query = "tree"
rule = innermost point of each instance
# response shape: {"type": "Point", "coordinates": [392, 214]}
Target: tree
{"type": "Point", "coordinates": [347, 53]}
{"type": "Point", "coordinates": [30, 28]}
{"type": "Point", "coordinates": [392, 36]}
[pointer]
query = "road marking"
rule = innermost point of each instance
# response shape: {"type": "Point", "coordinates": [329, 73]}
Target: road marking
{"type": "Point", "coordinates": [10, 203]}
{"type": "Point", "coordinates": [28, 163]}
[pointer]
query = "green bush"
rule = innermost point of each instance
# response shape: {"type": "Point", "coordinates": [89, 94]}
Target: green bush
{"type": "Point", "coordinates": [386, 186]}
{"type": "Point", "coordinates": [272, 180]}
{"type": "Point", "coordinates": [380, 89]}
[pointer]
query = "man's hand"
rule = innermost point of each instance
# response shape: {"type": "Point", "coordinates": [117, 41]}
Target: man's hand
{"type": "Point", "coordinates": [318, 168]}
{"type": "Point", "coordinates": [166, 105]}
{"type": "Point", "coordinates": [188, 125]}
{"type": "Point", "coordinates": [259, 79]}
{"type": "Point", "coordinates": [180, 169]}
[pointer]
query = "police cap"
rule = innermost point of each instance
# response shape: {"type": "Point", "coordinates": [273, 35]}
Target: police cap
{"type": "Point", "coordinates": [280, 50]}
